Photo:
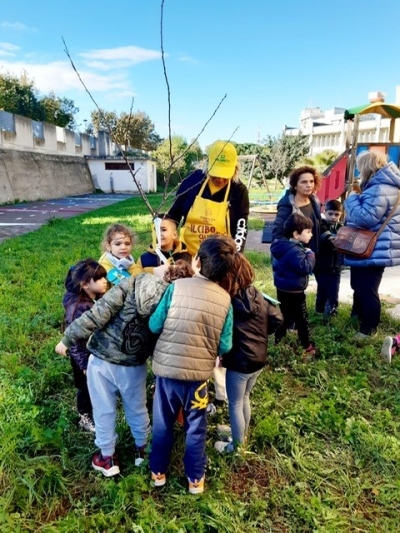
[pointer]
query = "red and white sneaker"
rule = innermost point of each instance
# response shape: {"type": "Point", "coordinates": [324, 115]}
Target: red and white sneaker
{"type": "Point", "coordinates": [108, 466]}
{"type": "Point", "coordinates": [309, 354]}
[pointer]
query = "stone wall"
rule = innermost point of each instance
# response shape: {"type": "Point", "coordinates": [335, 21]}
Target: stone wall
{"type": "Point", "coordinates": [30, 176]}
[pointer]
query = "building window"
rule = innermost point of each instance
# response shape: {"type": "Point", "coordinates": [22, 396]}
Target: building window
{"type": "Point", "coordinates": [37, 130]}
{"type": "Point", "coordinates": [119, 166]}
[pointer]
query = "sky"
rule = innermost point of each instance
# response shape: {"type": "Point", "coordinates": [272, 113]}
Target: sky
{"type": "Point", "coordinates": [270, 58]}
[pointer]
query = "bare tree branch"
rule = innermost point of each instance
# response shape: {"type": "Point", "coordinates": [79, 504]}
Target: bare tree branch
{"type": "Point", "coordinates": [166, 78]}
{"type": "Point", "coordinates": [130, 114]}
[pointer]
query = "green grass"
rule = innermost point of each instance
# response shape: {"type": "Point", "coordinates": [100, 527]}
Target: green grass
{"type": "Point", "coordinates": [324, 447]}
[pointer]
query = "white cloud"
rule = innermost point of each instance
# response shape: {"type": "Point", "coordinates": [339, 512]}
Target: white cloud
{"type": "Point", "coordinates": [9, 47]}
{"type": "Point", "coordinates": [59, 76]}
{"type": "Point", "coordinates": [188, 58]}
{"type": "Point", "coordinates": [123, 57]}
{"type": "Point", "coordinates": [19, 26]}
{"type": "Point", "coordinates": [125, 94]}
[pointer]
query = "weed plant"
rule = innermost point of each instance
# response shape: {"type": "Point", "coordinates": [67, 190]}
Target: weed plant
{"type": "Point", "coordinates": [324, 447]}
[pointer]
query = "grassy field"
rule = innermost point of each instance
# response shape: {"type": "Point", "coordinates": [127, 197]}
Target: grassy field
{"type": "Point", "coordinates": [324, 448]}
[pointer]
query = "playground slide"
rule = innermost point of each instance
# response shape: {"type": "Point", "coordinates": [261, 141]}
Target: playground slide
{"type": "Point", "coordinates": [334, 179]}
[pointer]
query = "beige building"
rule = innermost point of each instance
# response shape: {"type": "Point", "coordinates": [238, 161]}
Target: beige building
{"type": "Point", "coordinates": [327, 129]}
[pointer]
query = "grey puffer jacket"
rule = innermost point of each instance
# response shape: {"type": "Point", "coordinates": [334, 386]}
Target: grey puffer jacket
{"type": "Point", "coordinates": [369, 209]}
{"type": "Point", "coordinates": [118, 322]}
{"type": "Point", "coordinates": [191, 334]}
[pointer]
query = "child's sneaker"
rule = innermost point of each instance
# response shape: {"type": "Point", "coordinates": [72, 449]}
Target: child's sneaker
{"type": "Point", "coordinates": [196, 486]}
{"type": "Point", "coordinates": [309, 353]}
{"type": "Point", "coordinates": [141, 455]}
{"type": "Point", "coordinates": [86, 423]}
{"type": "Point", "coordinates": [224, 447]}
{"type": "Point", "coordinates": [108, 466]}
{"type": "Point", "coordinates": [224, 432]}
{"type": "Point", "coordinates": [159, 479]}
{"type": "Point", "coordinates": [363, 337]}
{"type": "Point", "coordinates": [388, 350]}
{"type": "Point", "coordinates": [211, 409]}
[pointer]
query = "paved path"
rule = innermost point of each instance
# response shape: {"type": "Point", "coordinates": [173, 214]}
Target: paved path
{"type": "Point", "coordinates": [17, 219]}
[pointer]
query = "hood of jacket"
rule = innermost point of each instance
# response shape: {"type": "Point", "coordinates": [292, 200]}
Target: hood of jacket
{"type": "Point", "coordinates": [72, 304]}
{"type": "Point", "coordinates": [177, 247]}
{"type": "Point", "coordinates": [280, 247]}
{"type": "Point", "coordinates": [69, 298]}
{"type": "Point", "coordinates": [387, 175]}
{"type": "Point", "coordinates": [247, 303]}
{"type": "Point", "coordinates": [148, 292]}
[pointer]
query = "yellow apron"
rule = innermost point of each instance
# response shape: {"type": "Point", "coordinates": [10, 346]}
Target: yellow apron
{"type": "Point", "coordinates": [204, 219]}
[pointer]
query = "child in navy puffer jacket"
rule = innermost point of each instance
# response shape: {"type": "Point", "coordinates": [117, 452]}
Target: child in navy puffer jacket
{"type": "Point", "coordinates": [292, 263]}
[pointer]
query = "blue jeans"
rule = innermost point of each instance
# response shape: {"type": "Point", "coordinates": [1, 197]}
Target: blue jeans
{"type": "Point", "coordinates": [238, 388]}
{"type": "Point", "coordinates": [170, 396]}
{"type": "Point", "coordinates": [105, 381]}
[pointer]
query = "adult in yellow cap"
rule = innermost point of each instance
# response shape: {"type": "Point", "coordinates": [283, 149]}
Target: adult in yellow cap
{"type": "Point", "coordinates": [213, 201]}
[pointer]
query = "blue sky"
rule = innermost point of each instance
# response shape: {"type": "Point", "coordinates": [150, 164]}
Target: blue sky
{"type": "Point", "coordinates": [271, 58]}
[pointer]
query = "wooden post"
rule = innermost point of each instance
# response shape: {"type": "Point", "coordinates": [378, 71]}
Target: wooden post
{"type": "Point", "coordinates": [262, 174]}
{"type": "Point", "coordinates": [391, 129]}
{"type": "Point", "coordinates": [352, 158]}
{"type": "Point", "coordinates": [251, 172]}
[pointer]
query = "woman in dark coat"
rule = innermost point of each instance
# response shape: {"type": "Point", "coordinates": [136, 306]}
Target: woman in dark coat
{"type": "Point", "coordinates": [301, 198]}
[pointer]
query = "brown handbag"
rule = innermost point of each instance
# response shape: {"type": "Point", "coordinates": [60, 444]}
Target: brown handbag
{"type": "Point", "coordinates": [360, 242]}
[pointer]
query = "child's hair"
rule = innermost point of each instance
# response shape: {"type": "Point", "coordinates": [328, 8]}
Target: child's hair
{"type": "Point", "coordinates": [165, 216]}
{"type": "Point", "coordinates": [333, 205]}
{"type": "Point", "coordinates": [296, 222]}
{"type": "Point", "coordinates": [82, 273]}
{"type": "Point", "coordinates": [181, 269]}
{"type": "Point", "coordinates": [218, 257]}
{"type": "Point", "coordinates": [112, 230]}
{"type": "Point", "coordinates": [243, 275]}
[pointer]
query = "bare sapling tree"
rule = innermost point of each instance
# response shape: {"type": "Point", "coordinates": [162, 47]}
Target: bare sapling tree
{"type": "Point", "coordinates": [172, 159]}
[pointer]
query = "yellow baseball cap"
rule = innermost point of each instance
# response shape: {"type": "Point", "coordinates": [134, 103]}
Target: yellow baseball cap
{"type": "Point", "coordinates": [222, 160]}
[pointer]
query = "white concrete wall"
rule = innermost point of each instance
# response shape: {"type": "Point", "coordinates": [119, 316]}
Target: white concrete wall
{"type": "Point", "coordinates": [121, 181]}
{"type": "Point", "coordinates": [56, 140]}
{"type": "Point", "coordinates": [29, 176]}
